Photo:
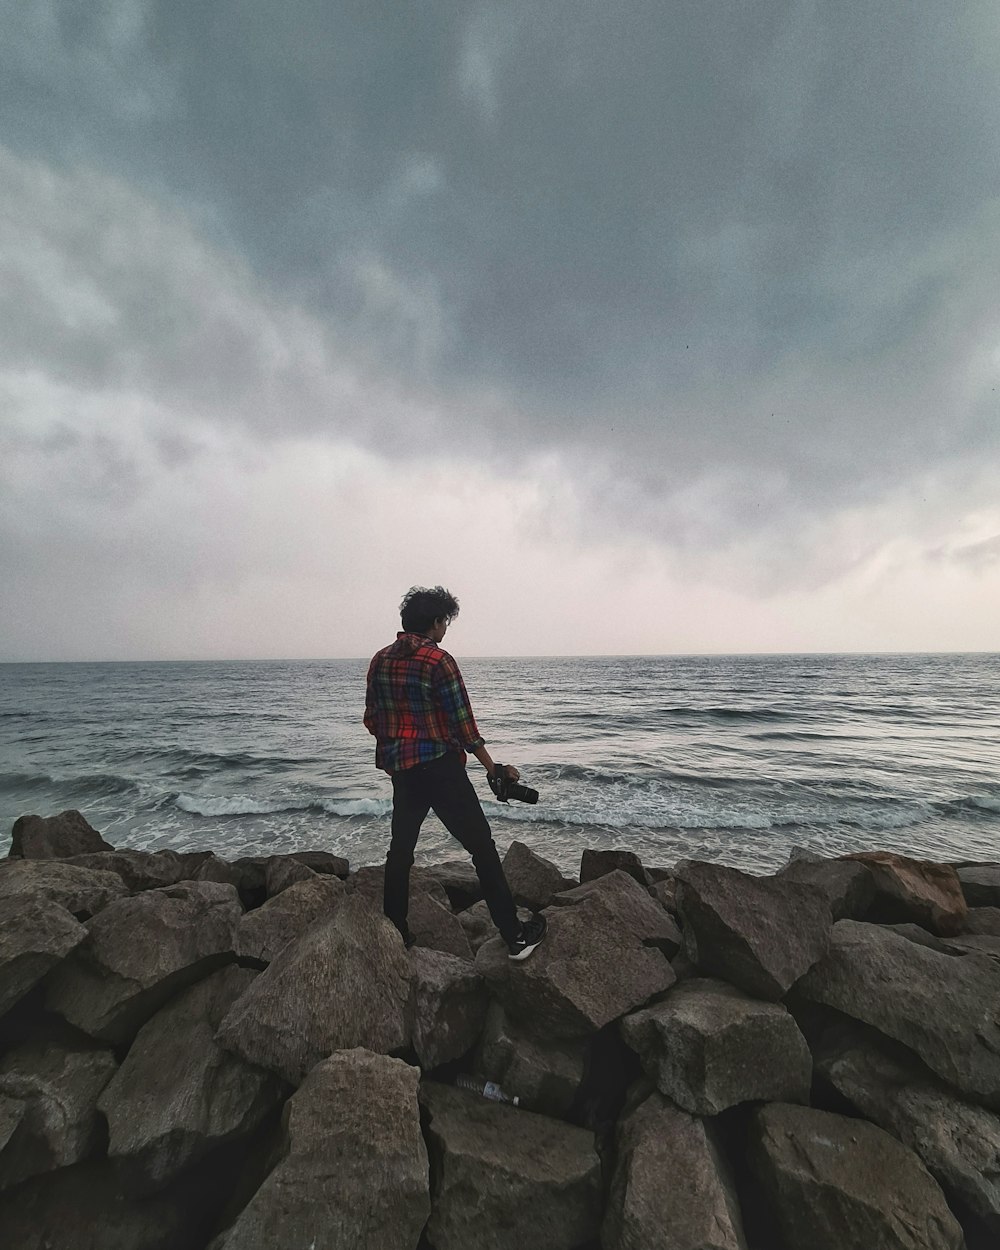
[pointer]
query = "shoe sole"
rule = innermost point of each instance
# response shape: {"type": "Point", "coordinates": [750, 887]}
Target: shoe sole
{"type": "Point", "coordinates": [527, 951]}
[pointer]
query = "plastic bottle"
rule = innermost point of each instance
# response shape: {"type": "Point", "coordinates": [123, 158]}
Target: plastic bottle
{"type": "Point", "coordinates": [490, 1089]}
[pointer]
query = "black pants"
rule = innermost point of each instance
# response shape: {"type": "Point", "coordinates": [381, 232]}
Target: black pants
{"type": "Point", "coordinates": [444, 785]}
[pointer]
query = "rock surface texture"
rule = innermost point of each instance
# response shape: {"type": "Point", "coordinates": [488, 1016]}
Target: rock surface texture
{"type": "Point", "coordinates": [914, 889]}
{"type": "Point", "coordinates": [55, 837]}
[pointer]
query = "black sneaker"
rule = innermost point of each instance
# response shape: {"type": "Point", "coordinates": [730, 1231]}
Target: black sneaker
{"type": "Point", "coordinates": [532, 932]}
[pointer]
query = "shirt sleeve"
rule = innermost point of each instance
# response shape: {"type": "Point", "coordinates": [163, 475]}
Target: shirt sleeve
{"type": "Point", "coordinates": [452, 698]}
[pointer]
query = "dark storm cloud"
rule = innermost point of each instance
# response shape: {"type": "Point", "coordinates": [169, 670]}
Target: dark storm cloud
{"type": "Point", "coordinates": [751, 245]}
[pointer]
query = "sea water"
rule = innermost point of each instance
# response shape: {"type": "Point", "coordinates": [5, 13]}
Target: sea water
{"type": "Point", "coordinates": [736, 759]}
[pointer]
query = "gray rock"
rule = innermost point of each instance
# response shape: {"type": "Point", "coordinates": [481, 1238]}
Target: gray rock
{"type": "Point", "coordinates": [544, 1074]}
{"type": "Point", "coordinates": [671, 1188]}
{"type": "Point", "coordinates": [323, 862]}
{"type": "Point", "coordinates": [644, 915]}
{"type": "Point", "coordinates": [247, 875]}
{"type": "Point", "coordinates": [460, 881]}
{"type": "Point", "coordinates": [35, 935]}
{"type": "Point", "coordinates": [981, 884]}
{"type": "Point", "coordinates": [958, 1142]}
{"type": "Point", "coordinates": [178, 1094]}
{"type": "Point", "coordinates": [477, 923]}
{"type": "Point", "coordinates": [708, 1046]}
{"type": "Point", "coordinates": [594, 864]}
{"type": "Point", "coordinates": [836, 1182]}
{"type": "Point", "coordinates": [368, 882]}
{"type": "Point", "coordinates": [917, 890]}
{"type": "Point", "coordinates": [590, 970]}
{"type": "Point", "coordinates": [433, 926]}
{"type": "Point", "coordinates": [760, 933]}
{"type": "Point", "coordinates": [56, 1087]}
{"type": "Point", "coordinates": [142, 950]}
{"type": "Point", "coordinates": [507, 1179]}
{"type": "Point", "coordinates": [263, 932]}
{"type": "Point", "coordinates": [353, 1168]}
{"type": "Point", "coordinates": [533, 880]}
{"type": "Point", "coordinates": [449, 1006]}
{"type": "Point", "coordinates": [139, 870]}
{"type": "Point", "coordinates": [281, 871]}
{"type": "Point", "coordinates": [55, 837]}
{"type": "Point", "coordinates": [848, 885]}
{"type": "Point", "coordinates": [344, 983]}
{"type": "Point", "coordinates": [983, 921]}
{"type": "Point", "coordinates": [942, 1007]}
{"type": "Point", "coordinates": [82, 891]}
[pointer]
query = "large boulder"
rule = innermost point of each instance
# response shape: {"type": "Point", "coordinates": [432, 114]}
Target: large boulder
{"type": "Point", "coordinates": [344, 983]}
{"type": "Point", "coordinates": [139, 952]}
{"type": "Point", "coordinates": [353, 1166]}
{"type": "Point", "coordinates": [248, 875]}
{"type": "Point", "coordinates": [323, 862]}
{"type": "Point", "coordinates": [915, 889]}
{"type": "Point", "coordinates": [82, 891]}
{"type": "Point", "coordinates": [35, 935]}
{"type": "Point", "coordinates": [543, 1074]}
{"type": "Point", "coordinates": [671, 1187]}
{"type": "Point", "coordinates": [460, 881]}
{"type": "Point", "coordinates": [594, 864]}
{"type": "Point", "coordinates": [590, 970]}
{"type": "Point", "coordinates": [709, 1046]}
{"type": "Point", "coordinates": [942, 1007]}
{"type": "Point", "coordinates": [848, 885]}
{"type": "Point", "coordinates": [507, 1179]}
{"type": "Point", "coordinates": [263, 932]}
{"type": "Point", "coordinates": [836, 1182]}
{"type": "Point", "coordinates": [980, 884]}
{"type": "Point", "coordinates": [958, 1142]}
{"type": "Point", "coordinates": [434, 926]}
{"type": "Point", "coordinates": [450, 1002]}
{"type": "Point", "coordinates": [51, 1089]}
{"type": "Point", "coordinates": [178, 1094]}
{"type": "Point", "coordinates": [635, 907]}
{"type": "Point", "coordinates": [369, 880]}
{"type": "Point", "coordinates": [532, 878]}
{"type": "Point", "coordinates": [760, 933]}
{"type": "Point", "coordinates": [281, 871]}
{"type": "Point", "coordinates": [983, 921]}
{"type": "Point", "coordinates": [139, 870]}
{"type": "Point", "coordinates": [55, 837]}
{"type": "Point", "coordinates": [477, 924]}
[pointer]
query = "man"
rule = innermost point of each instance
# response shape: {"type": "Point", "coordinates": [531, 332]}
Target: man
{"type": "Point", "coordinates": [418, 710]}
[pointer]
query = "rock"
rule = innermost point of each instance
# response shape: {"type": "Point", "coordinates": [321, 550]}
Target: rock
{"type": "Point", "coordinates": [368, 881]}
{"type": "Point", "coordinates": [980, 884]}
{"type": "Point", "coordinates": [665, 893]}
{"type": "Point", "coordinates": [643, 915]}
{"type": "Point", "coordinates": [836, 1182]}
{"type": "Point", "coordinates": [915, 889]}
{"type": "Point", "coordinates": [246, 875]}
{"type": "Point", "coordinates": [323, 862]}
{"type": "Point", "coordinates": [848, 885]}
{"type": "Point", "coordinates": [139, 870]}
{"type": "Point", "coordinates": [696, 1209]}
{"type": "Point", "coordinates": [435, 927]}
{"type": "Point", "coordinates": [263, 932]}
{"type": "Point", "coordinates": [477, 924]}
{"type": "Point", "coordinates": [460, 881]}
{"type": "Point", "coordinates": [544, 1074]}
{"type": "Point", "coordinates": [35, 935]}
{"type": "Point", "coordinates": [507, 1179]}
{"type": "Point", "coordinates": [178, 1094]}
{"type": "Point", "coordinates": [82, 891]}
{"type": "Point", "coordinates": [958, 1142]}
{"type": "Point", "coordinates": [450, 1006]}
{"type": "Point", "coordinates": [590, 970]}
{"type": "Point", "coordinates": [942, 1007]}
{"type": "Point", "coordinates": [708, 1046]}
{"type": "Point", "coordinates": [532, 879]}
{"type": "Point", "coordinates": [983, 921]}
{"type": "Point", "coordinates": [139, 952]}
{"type": "Point", "coordinates": [595, 864]}
{"type": "Point", "coordinates": [344, 983]}
{"type": "Point", "coordinates": [54, 837]}
{"type": "Point", "coordinates": [353, 1168]}
{"type": "Point", "coordinates": [282, 871]}
{"type": "Point", "coordinates": [759, 933]}
{"type": "Point", "coordinates": [57, 1088]}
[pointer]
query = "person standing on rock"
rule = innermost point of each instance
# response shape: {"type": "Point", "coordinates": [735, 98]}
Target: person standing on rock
{"type": "Point", "coordinates": [418, 710]}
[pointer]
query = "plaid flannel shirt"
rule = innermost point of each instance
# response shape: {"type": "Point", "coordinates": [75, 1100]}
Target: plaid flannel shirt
{"type": "Point", "coordinates": [416, 705]}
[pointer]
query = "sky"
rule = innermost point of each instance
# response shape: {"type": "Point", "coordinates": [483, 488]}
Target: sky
{"type": "Point", "coordinates": [643, 328]}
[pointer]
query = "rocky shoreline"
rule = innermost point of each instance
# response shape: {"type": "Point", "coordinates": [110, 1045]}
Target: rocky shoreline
{"type": "Point", "coordinates": [197, 1053]}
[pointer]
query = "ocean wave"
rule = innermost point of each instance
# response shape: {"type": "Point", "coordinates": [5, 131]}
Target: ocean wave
{"type": "Point", "coordinates": [244, 805]}
{"type": "Point", "coordinates": [982, 803]}
{"type": "Point", "coordinates": [86, 785]}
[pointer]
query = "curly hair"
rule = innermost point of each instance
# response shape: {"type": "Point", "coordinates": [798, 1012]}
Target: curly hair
{"type": "Point", "coordinates": [422, 606]}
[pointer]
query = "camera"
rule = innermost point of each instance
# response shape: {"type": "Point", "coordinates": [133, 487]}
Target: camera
{"type": "Point", "coordinates": [505, 789]}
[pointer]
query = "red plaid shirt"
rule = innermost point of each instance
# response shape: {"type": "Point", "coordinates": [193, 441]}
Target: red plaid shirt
{"type": "Point", "coordinates": [416, 705]}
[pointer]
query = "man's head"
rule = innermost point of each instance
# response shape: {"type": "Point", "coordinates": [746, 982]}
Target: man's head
{"type": "Point", "coordinates": [425, 610]}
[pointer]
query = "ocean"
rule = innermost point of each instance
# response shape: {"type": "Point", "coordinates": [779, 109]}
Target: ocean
{"type": "Point", "coordinates": [735, 759]}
